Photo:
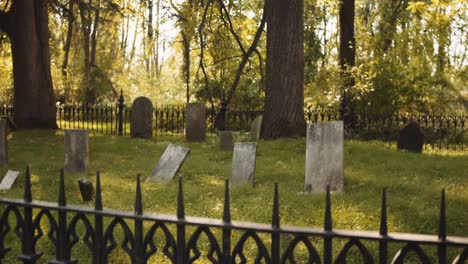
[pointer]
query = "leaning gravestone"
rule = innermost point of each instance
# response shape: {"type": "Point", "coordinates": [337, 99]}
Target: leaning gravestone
{"type": "Point", "coordinates": [226, 140]}
{"type": "Point", "coordinates": [86, 190]}
{"type": "Point", "coordinates": [243, 163]}
{"type": "Point", "coordinates": [8, 180]}
{"type": "Point", "coordinates": [411, 138]}
{"type": "Point", "coordinates": [76, 150]}
{"type": "Point", "coordinates": [324, 156]}
{"type": "Point", "coordinates": [256, 128]}
{"type": "Point", "coordinates": [169, 163]}
{"type": "Point", "coordinates": [195, 126]}
{"type": "Point", "coordinates": [3, 143]}
{"type": "Point", "coordinates": [142, 118]}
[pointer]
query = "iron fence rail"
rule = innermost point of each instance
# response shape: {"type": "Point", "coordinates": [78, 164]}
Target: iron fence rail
{"type": "Point", "coordinates": [180, 246]}
{"type": "Point", "coordinates": [441, 131]}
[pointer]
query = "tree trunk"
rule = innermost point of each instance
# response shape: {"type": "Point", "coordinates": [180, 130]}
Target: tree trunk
{"type": "Point", "coordinates": [284, 94]}
{"type": "Point", "coordinates": [347, 43]}
{"type": "Point", "coordinates": [26, 24]}
{"type": "Point", "coordinates": [66, 49]}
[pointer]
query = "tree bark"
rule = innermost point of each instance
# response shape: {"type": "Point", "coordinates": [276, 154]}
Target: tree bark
{"type": "Point", "coordinates": [66, 49]}
{"type": "Point", "coordinates": [347, 50]}
{"type": "Point", "coordinates": [284, 95]}
{"type": "Point", "coordinates": [27, 28]}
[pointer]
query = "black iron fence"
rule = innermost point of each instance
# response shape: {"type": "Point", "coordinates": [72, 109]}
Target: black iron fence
{"type": "Point", "coordinates": [441, 131]}
{"type": "Point", "coordinates": [184, 239]}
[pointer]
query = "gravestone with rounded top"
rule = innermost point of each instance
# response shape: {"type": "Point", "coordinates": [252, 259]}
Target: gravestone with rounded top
{"type": "Point", "coordinates": [76, 150]}
{"type": "Point", "coordinates": [411, 138]}
{"type": "Point", "coordinates": [256, 128]}
{"type": "Point", "coordinates": [243, 163]}
{"type": "Point", "coordinates": [324, 156]}
{"type": "Point", "coordinates": [195, 126]}
{"type": "Point", "coordinates": [3, 143]}
{"type": "Point", "coordinates": [226, 140]}
{"type": "Point", "coordinates": [142, 118]}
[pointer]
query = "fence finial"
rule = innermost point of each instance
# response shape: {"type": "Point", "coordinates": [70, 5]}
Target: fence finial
{"type": "Point", "coordinates": [62, 199]}
{"type": "Point", "coordinates": [275, 221]}
{"type": "Point", "coordinates": [442, 221]}
{"type": "Point", "coordinates": [180, 201]}
{"type": "Point", "coordinates": [227, 205]}
{"type": "Point", "coordinates": [138, 199]}
{"type": "Point", "coordinates": [383, 214]}
{"type": "Point", "coordinates": [27, 186]}
{"type": "Point", "coordinates": [328, 216]}
{"type": "Point", "coordinates": [98, 199]}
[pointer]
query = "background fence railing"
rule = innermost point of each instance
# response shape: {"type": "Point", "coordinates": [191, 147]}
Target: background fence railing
{"type": "Point", "coordinates": [185, 239]}
{"type": "Point", "coordinates": [441, 131]}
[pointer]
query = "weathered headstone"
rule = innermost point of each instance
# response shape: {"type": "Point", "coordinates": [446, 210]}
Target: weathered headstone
{"type": "Point", "coordinates": [169, 163]}
{"type": "Point", "coordinates": [8, 180]}
{"type": "Point", "coordinates": [324, 156]}
{"type": "Point", "coordinates": [226, 140]}
{"type": "Point", "coordinates": [86, 190]}
{"type": "Point", "coordinates": [76, 150]}
{"type": "Point", "coordinates": [3, 143]}
{"type": "Point", "coordinates": [195, 126]}
{"type": "Point", "coordinates": [243, 163]}
{"type": "Point", "coordinates": [411, 138]}
{"type": "Point", "coordinates": [142, 118]}
{"type": "Point", "coordinates": [256, 128]}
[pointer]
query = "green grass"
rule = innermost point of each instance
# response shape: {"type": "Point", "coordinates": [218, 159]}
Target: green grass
{"type": "Point", "coordinates": [413, 181]}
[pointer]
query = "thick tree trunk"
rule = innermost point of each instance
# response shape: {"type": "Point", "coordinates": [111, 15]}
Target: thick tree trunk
{"type": "Point", "coordinates": [347, 43]}
{"type": "Point", "coordinates": [66, 49]}
{"type": "Point", "coordinates": [284, 102]}
{"type": "Point", "coordinates": [27, 27]}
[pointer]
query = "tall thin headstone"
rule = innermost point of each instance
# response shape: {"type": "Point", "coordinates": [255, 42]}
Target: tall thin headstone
{"type": "Point", "coordinates": [195, 126]}
{"type": "Point", "coordinates": [243, 163]}
{"type": "Point", "coordinates": [76, 150]}
{"type": "Point", "coordinates": [324, 156]}
{"type": "Point", "coordinates": [3, 143]}
{"type": "Point", "coordinates": [256, 128]}
{"type": "Point", "coordinates": [142, 118]}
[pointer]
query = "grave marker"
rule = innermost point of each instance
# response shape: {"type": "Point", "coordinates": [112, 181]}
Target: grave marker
{"type": "Point", "coordinates": [8, 180]}
{"type": "Point", "coordinates": [142, 118]}
{"type": "Point", "coordinates": [243, 163]}
{"type": "Point", "coordinates": [86, 190]}
{"type": "Point", "coordinates": [226, 140]}
{"type": "Point", "coordinates": [169, 163]}
{"type": "Point", "coordinates": [76, 150]}
{"type": "Point", "coordinates": [324, 156]}
{"type": "Point", "coordinates": [256, 128]}
{"type": "Point", "coordinates": [3, 143]}
{"type": "Point", "coordinates": [411, 138]}
{"type": "Point", "coordinates": [195, 126]}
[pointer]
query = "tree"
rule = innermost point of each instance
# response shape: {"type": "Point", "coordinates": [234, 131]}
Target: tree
{"type": "Point", "coordinates": [284, 94]}
{"type": "Point", "coordinates": [26, 24]}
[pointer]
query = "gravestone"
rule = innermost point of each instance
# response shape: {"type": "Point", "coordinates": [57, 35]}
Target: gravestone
{"type": "Point", "coordinates": [8, 180]}
{"type": "Point", "coordinates": [142, 118]}
{"type": "Point", "coordinates": [411, 138]}
{"type": "Point", "coordinates": [169, 163]}
{"type": "Point", "coordinates": [256, 128]}
{"type": "Point", "coordinates": [324, 156]}
{"type": "Point", "coordinates": [226, 140]}
{"type": "Point", "coordinates": [76, 150]}
{"type": "Point", "coordinates": [195, 126]}
{"type": "Point", "coordinates": [3, 143]}
{"type": "Point", "coordinates": [86, 190]}
{"type": "Point", "coordinates": [243, 163]}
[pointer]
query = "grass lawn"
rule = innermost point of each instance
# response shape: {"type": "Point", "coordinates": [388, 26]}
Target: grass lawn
{"type": "Point", "coordinates": [414, 181]}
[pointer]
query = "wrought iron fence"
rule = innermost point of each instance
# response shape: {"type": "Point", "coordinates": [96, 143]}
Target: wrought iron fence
{"type": "Point", "coordinates": [272, 243]}
{"type": "Point", "coordinates": [441, 131]}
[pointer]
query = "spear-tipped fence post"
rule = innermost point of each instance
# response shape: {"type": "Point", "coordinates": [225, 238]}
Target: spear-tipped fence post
{"type": "Point", "coordinates": [99, 249]}
{"type": "Point", "coordinates": [327, 243]}
{"type": "Point", "coordinates": [139, 250]}
{"type": "Point", "coordinates": [442, 248]}
{"type": "Point", "coordinates": [226, 225]}
{"type": "Point", "coordinates": [28, 252]}
{"type": "Point", "coordinates": [275, 224]}
{"type": "Point", "coordinates": [180, 225]}
{"type": "Point", "coordinates": [383, 229]}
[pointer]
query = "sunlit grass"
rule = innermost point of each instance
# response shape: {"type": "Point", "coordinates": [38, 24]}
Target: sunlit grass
{"type": "Point", "coordinates": [413, 181]}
